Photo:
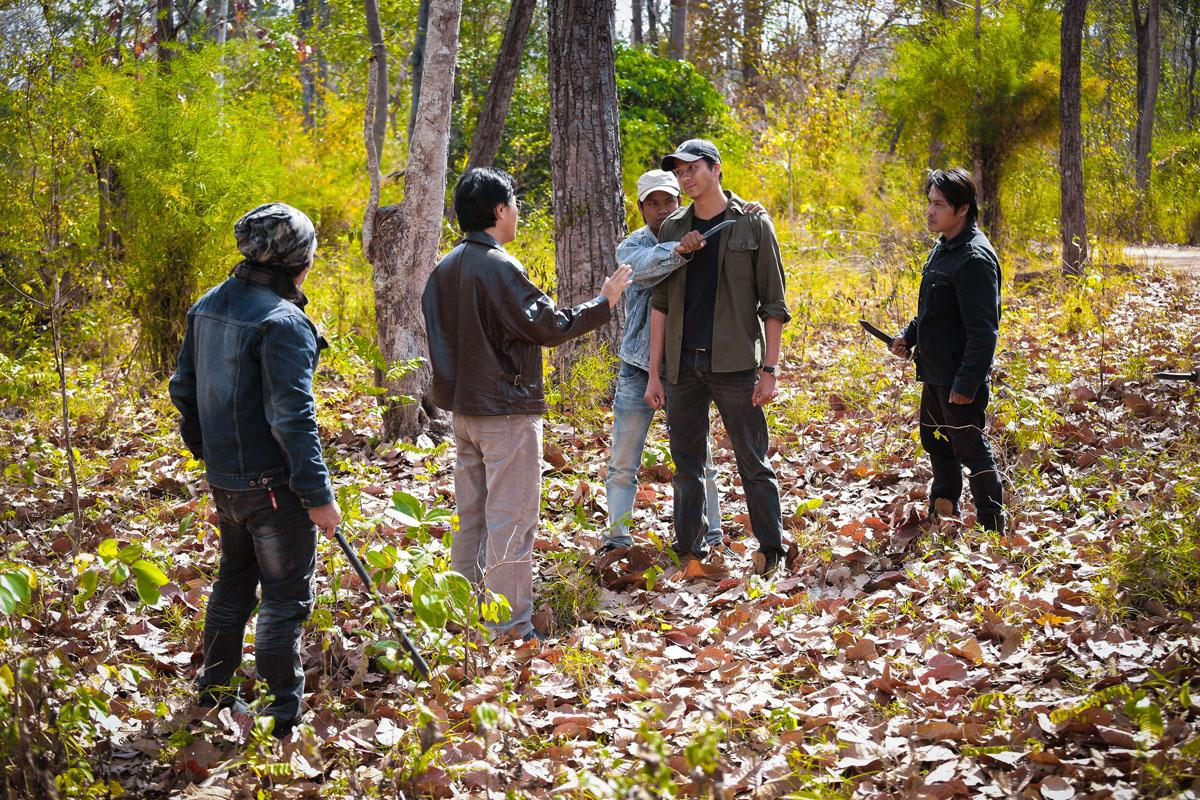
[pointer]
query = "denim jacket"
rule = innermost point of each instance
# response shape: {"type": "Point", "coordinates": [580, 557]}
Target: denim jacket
{"type": "Point", "coordinates": [651, 263]}
{"type": "Point", "coordinates": [244, 387]}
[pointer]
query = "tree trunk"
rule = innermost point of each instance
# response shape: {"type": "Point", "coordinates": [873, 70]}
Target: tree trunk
{"type": "Point", "coordinates": [679, 29]}
{"type": "Point", "coordinates": [988, 163]}
{"type": "Point", "coordinates": [308, 72]}
{"type": "Point", "coordinates": [638, 12]}
{"type": "Point", "coordinates": [164, 30]}
{"type": "Point", "coordinates": [754, 17]}
{"type": "Point", "coordinates": [417, 62]}
{"type": "Point", "coordinates": [488, 131]}
{"type": "Point", "coordinates": [379, 53]}
{"type": "Point", "coordinates": [653, 20]}
{"type": "Point", "coordinates": [1193, 40]}
{"type": "Point", "coordinates": [1070, 142]}
{"type": "Point", "coordinates": [1148, 32]}
{"type": "Point", "coordinates": [405, 243]}
{"type": "Point", "coordinates": [585, 154]}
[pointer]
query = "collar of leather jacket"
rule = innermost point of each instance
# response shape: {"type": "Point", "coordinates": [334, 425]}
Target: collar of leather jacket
{"type": "Point", "coordinates": [483, 238]}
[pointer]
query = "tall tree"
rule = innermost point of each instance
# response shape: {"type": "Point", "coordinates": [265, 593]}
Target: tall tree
{"type": "Point", "coordinates": [679, 29]}
{"type": "Point", "coordinates": [379, 100]}
{"type": "Point", "coordinates": [1070, 140]}
{"type": "Point", "coordinates": [402, 241]}
{"type": "Point", "coordinates": [638, 12]}
{"type": "Point", "coordinates": [1148, 32]}
{"type": "Point", "coordinates": [489, 129]}
{"type": "Point", "coordinates": [310, 97]}
{"type": "Point", "coordinates": [653, 22]}
{"type": "Point", "coordinates": [417, 60]}
{"type": "Point", "coordinates": [585, 152]}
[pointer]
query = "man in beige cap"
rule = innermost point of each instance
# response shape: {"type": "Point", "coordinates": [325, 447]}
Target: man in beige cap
{"type": "Point", "coordinates": [657, 199]}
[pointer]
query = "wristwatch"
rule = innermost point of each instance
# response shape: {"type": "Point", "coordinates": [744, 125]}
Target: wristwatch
{"type": "Point", "coordinates": [768, 370]}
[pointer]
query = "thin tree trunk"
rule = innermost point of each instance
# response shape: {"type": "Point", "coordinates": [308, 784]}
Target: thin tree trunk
{"type": "Point", "coordinates": [1070, 143]}
{"type": "Point", "coordinates": [1148, 32]}
{"type": "Point", "coordinates": [638, 12]}
{"type": "Point", "coordinates": [679, 29]}
{"type": "Point", "coordinates": [417, 62]}
{"type": "Point", "coordinates": [988, 162]}
{"type": "Point", "coordinates": [585, 154]}
{"type": "Point", "coordinates": [308, 77]}
{"type": "Point", "coordinates": [164, 30]}
{"type": "Point", "coordinates": [490, 128]}
{"type": "Point", "coordinates": [379, 53]}
{"type": "Point", "coordinates": [753, 20]}
{"type": "Point", "coordinates": [1193, 40]}
{"type": "Point", "coordinates": [405, 242]}
{"type": "Point", "coordinates": [653, 20]}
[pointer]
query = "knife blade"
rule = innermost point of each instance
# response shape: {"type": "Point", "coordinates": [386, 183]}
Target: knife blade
{"type": "Point", "coordinates": [1178, 376]}
{"type": "Point", "coordinates": [878, 334]}
{"type": "Point", "coordinates": [720, 226]}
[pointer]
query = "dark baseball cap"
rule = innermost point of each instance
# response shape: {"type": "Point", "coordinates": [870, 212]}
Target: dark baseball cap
{"type": "Point", "coordinates": [692, 150]}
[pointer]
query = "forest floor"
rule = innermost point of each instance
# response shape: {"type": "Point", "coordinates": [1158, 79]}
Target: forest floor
{"type": "Point", "coordinates": [892, 657]}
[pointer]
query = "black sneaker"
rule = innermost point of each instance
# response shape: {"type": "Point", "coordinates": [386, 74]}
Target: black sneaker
{"type": "Point", "coordinates": [607, 548]}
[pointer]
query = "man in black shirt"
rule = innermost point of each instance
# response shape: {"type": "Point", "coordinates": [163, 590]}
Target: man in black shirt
{"type": "Point", "coordinates": [717, 323]}
{"type": "Point", "coordinates": [954, 339]}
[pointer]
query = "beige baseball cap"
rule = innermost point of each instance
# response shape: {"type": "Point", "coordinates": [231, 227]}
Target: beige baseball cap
{"type": "Point", "coordinates": [656, 180]}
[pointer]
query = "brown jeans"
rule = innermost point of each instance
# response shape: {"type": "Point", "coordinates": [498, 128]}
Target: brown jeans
{"type": "Point", "coordinates": [497, 486]}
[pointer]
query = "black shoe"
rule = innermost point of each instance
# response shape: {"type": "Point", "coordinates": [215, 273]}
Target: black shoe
{"type": "Point", "coordinates": [283, 730]}
{"type": "Point", "coordinates": [607, 548]}
{"type": "Point", "coordinates": [224, 700]}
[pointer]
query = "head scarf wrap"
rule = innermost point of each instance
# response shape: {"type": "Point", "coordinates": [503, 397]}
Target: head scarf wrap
{"type": "Point", "coordinates": [278, 237]}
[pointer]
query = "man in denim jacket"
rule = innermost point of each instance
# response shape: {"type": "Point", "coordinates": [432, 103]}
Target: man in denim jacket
{"type": "Point", "coordinates": [244, 387]}
{"type": "Point", "coordinates": [657, 199]}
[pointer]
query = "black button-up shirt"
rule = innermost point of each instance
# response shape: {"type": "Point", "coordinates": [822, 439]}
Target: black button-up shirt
{"type": "Point", "coordinates": [958, 313]}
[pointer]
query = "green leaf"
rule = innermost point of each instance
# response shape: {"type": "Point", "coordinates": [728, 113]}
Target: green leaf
{"type": "Point", "coordinates": [458, 591]}
{"type": "Point", "coordinates": [85, 587]}
{"type": "Point", "coordinates": [8, 601]}
{"type": "Point", "coordinates": [148, 591]}
{"type": "Point", "coordinates": [149, 571]}
{"type": "Point", "coordinates": [16, 582]}
{"type": "Point", "coordinates": [108, 549]}
{"type": "Point", "coordinates": [1145, 712]}
{"type": "Point", "coordinates": [130, 553]}
{"type": "Point", "coordinates": [429, 606]}
{"type": "Point", "coordinates": [405, 503]}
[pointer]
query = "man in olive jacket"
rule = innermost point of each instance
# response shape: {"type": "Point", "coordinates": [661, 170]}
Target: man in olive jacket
{"type": "Point", "coordinates": [718, 321]}
{"type": "Point", "coordinates": [953, 339]}
{"type": "Point", "coordinates": [486, 324]}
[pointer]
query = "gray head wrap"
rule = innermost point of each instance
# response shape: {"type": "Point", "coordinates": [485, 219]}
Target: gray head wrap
{"type": "Point", "coordinates": [278, 236]}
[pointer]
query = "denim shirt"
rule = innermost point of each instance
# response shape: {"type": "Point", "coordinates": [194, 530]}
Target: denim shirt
{"type": "Point", "coordinates": [244, 387]}
{"type": "Point", "coordinates": [651, 263]}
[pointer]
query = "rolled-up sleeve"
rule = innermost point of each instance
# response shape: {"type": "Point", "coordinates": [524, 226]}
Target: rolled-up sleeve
{"type": "Point", "coordinates": [289, 359]}
{"type": "Point", "coordinates": [768, 274]}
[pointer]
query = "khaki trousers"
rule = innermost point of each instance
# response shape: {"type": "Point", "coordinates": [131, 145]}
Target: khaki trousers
{"type": "Point", "coordinates": [497, 486]}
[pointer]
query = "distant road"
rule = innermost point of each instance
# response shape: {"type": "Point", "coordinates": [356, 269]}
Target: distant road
{"type": "Point", "coordinates": [1168, 257]}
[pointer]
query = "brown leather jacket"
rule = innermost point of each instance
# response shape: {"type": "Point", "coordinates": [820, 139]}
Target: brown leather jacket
{"type": "Point", "coordinates": [487, 324]}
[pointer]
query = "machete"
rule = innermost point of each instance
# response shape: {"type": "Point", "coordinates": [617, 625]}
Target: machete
{"type": "Point", "coordinates": [418, 662]}
{"type": "Point", "coordinates": [1193, 376]}
{"type": "Point", "coordinates": [880, 335]}
{"type": "Point", "coordinates": [720, 226]}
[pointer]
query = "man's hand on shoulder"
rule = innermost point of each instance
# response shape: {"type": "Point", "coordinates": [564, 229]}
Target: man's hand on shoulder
{"type": "Point", "coordinates": [753, 207]}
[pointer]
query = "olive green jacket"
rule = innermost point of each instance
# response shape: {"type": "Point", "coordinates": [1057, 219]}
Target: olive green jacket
{"type": "Point", "coordinates": [750, 288]}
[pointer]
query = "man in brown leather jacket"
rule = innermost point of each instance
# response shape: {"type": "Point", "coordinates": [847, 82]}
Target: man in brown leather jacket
{"type": "Point", "coordinates": [486, 324]}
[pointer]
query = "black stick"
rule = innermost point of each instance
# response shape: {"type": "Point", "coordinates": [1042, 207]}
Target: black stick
{"type": "Point", "coordinates": [418, 661]}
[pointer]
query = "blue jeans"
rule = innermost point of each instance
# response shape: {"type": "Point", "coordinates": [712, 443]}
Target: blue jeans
{"type": "Point", "coordinates": [688, 402]}
{"type": "Point", "coordinates": [631, 423]}
{"type": "Point", "coordinates": [270, 542]}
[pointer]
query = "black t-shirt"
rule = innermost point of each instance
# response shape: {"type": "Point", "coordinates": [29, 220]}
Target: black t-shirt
{"type": "Point", "coordinates": [700, 288]}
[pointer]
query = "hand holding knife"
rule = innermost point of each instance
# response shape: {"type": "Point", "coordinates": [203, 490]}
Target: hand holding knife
{"type": "Point", "coordinates": [887, 340]}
